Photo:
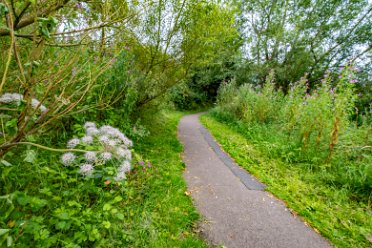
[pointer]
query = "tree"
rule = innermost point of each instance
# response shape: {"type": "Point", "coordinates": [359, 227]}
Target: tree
{"type": "Point", "coordinates": [294, 37]}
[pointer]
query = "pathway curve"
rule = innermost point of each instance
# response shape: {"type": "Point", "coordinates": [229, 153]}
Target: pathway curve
{"type": "Point", "coordinates": [237, 212]}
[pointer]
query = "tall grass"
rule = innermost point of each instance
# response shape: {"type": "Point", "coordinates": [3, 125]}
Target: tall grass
{"type": "Point", "coordinates": [309, 126]}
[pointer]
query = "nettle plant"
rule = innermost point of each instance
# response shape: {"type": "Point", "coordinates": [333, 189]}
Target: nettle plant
{"type": "Point", "coordinates": [102, 153]}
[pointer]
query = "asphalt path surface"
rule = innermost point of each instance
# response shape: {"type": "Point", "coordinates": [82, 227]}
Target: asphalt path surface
{"type": "Point", "coordinates": [236, 210]}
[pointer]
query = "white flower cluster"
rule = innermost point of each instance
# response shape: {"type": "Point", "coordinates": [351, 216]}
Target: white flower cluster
{"type": "Point", "coordinates": [110, 145]}
{"type": "Point", "coordinates": [15, 98]}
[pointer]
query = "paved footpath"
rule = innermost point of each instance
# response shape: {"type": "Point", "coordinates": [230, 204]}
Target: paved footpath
{"type": "Point", "coordinates": [236, 210]}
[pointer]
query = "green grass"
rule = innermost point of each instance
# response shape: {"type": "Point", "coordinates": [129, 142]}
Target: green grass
{"type": "Point", "coordinates": [330, 210]}
{"type": "Point", "coordinates": [50, 205]}
{"type": "Point", "coordinates": [172, 211]}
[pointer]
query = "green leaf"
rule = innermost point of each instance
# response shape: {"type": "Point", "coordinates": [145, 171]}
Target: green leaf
{"type": "Point", "coordinates": [120, 216]}
{"type": "Point", "coordinates": [30, 156]}
{"type": "Point", "coordinates": [63, 216]}
{"type": "Point", "coordinates": [6, 163]}
{"type": "Point", "coordinates": [106, 224]}
{"type": "Point", "coordinates": [94, 234]}
{"type": "Point", "coordinates": [3, 10]}
{"type": "Point", "coordinates": [47, 25]}
{"type": "Point", "coordinates": [62, 225]}
{"type": "Point", "coordinates": [107, 207]}
{"type": "Point", "coordinates": [3, 231]}
{"type": "Point", "coordinates": [9, 241]}
{"type": "Point", "coordinates": [12, 123]}
{"type": "Point", "coordinates": [23, 200]}
{"type": "Point", "coordinates": [118, 199]}
{"type": "Point", "coordinates": [3, 235]}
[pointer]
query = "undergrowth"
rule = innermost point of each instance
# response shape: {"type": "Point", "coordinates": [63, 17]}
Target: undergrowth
{"type": "Point", "coordinates": [46, 204]}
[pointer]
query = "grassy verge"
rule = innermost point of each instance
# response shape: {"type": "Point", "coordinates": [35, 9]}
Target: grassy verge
{"type": "Point", "coordinates": [330, 210]}
{"type": "Point", "coordinates": [45, 204]}
{"type": "Point", "coordinates": [173, 215]}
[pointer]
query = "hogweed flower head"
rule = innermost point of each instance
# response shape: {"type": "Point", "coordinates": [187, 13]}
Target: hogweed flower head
{"type": "Point", "coordinates": [87, 139]}
{"type": "Point", "coordinates": [15, 98]}
{"type": "Point", "coordinates": [125, 167]}
{"type": "Point", "coordinates": [104, 139]}
{"type": "Point", "coordinates": [36, 104]}
{"type": "Point", "coordinates": [124, 153]}
{"type": "Point", "coordinates": [105, 146]}
{"type": "Point", "coordinates": [11, 98]}
{"type": "Point", "coordinates": [68, 158]}
{"type": "Point", "coordinates": [86, 169]}
{"type": "Point", "coordinates": [92, 131]}
{"type": "Point", "coordinates": [112, 142]}
{"type": "Point", "coordinates": [106, 156]}
{"type": "Point", "coordinates": [73, 143]}
{"type": "Point", "coordinates": [90, 156]}
{"type": "Point", "coordinates": [89, 125]}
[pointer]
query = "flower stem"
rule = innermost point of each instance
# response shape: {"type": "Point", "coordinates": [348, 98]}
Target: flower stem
{"type": "Point", "coordinates": [42, 147]}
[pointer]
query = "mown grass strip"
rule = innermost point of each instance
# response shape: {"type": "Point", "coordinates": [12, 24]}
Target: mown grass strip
{"type": "Point", "coordinates": [344, 222]}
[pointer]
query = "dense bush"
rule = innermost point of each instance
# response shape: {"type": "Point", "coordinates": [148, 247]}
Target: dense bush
{"type": "Point", "coordinates": [308, 125]}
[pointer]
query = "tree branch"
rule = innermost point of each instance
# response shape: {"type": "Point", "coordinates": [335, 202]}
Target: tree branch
{"type": "Point", "coordinates": [29, 19]}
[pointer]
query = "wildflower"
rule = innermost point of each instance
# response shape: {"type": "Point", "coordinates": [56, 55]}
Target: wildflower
{"type": "Point", "coordinates": [123, 153]}
{"type": "Point", "coordinates": [68, 158]}
{"type": "Point", "coordinates": [106, 156]}
{"type": "Point", "coordinates": [332, 90]}
{"type": "Point", "coordinates": [86, 169]}
{"type": "Point", "coordinates": [43, 108]}
{"type": "Point", "coordinates": [125, 167]}
{"type": "Point", "coordinates": [36, 103]}
{"type": "Point", "coordinates": [127, 142]}
{"type": "Point", "coordinates": [112, 142]}
{"type": "Point", "coordinates": [120, 176]}
{"type": "Point", "coordinates": [115, 133]}
{"type": "Point", "coordinates": [73, 143]}
{"type": "Point", "coordinates": [89, 125]}
{"type": "Point", "coordinates": [11, 98]}
{"type": "Point", "coordinates": [149, 164]}
{"type": "Point", "coordinates": [90, 156]}
{"type": "Point", "coordinates": [106, 129]}
{"type": "Point", "coordinates": [92, 131]}
{"type": "Point", "coordinates": [104, 139]}
{"type": "Point", "coordinates": [141, 162]}
{"type": "Point", "coordinates": [353, 81]}
{"type": "Point", "coordinates": [87, 139]}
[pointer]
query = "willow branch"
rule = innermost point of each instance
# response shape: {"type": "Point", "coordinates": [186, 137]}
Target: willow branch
{"type": "Point", "coordinates": [11, 31]}
{"type": "Point", "coordinates": [28, 20]}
